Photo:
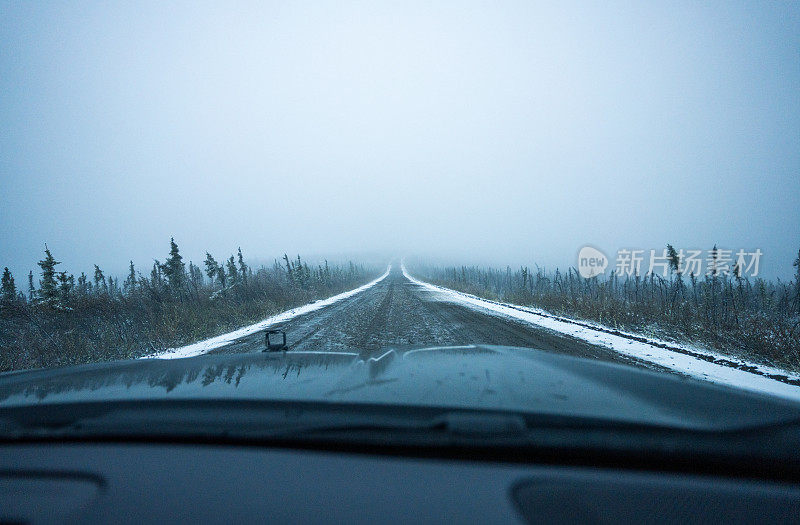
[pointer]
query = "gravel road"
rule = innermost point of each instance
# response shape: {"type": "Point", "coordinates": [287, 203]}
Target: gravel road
{"type": "Point", "coordinates": [396, 313]}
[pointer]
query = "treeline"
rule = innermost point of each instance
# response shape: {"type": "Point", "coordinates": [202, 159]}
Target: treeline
{"type": "Point", "coordinates": [61, 319]}
{"type": "Point", "coordinates": [755, 319]}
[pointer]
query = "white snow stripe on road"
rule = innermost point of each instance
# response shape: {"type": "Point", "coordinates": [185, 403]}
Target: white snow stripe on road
{"type": "Point", "coordinates": [674, 360]}
{"type": "Point", "coordinates": [202, 347]}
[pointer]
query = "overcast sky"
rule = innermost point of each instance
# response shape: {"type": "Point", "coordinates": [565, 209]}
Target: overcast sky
{"type": "Point", "coordinates": [497, 132]}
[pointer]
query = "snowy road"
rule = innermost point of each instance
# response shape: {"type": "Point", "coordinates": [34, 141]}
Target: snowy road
{"type": "Point", "coordinates": [399, 313]}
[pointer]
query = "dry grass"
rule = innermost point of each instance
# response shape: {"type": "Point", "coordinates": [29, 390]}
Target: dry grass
{"type": "Point", "coordinates": [112, 325]}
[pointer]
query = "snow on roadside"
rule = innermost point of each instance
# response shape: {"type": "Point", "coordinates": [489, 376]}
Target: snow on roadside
{"type": "Point", "coordinates": [202, 347]}
{"type": "Point", "coordinates": [694, 362]}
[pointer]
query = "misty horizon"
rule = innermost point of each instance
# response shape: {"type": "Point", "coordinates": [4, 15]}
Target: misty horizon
{"type": "Point", "coordinates": [458, 133]}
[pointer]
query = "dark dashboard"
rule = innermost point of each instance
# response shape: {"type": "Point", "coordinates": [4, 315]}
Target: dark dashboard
{"type": "Point", "coordinates": [195, 483]}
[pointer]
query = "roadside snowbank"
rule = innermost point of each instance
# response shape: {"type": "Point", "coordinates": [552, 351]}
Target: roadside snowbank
{"type": "Point", "coordinates": [202, 347]}
{"type": "Point", "coordinates": [687, 360]}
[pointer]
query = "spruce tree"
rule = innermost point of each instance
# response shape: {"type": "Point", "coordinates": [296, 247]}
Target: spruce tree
{"type": "Point", "coordinates": [242, 267]}
{"type": "Point", "coordinates": [288, 268]}
{"type": "Point", "coordinates": [130, 283]}
{"type": "Point", "coordinates": [675, 266]}
{"type": "Point", "coordinates": [797, 282]}
{"type": "Point", "coordinates": [8, 292]}
{"type": "Point", "coordinates": [233, 273]}
{"type": "Point", "coordinates": [113, 286]}
{"type": "Point", "coordinates": [195, 276]}
{"type": "Point", "coordinates": [174, 269]}
{"type": "Point", "coordinates": [212, 268]}
{"type": "Point", "coordinates": [83, 285]}
{"type": "Point", "coordinates": [100, 283]}
{"type": "Point", "coordinates": [674, 260]}
{"type": "Point", "coordinates": [48, 288]}
{"type": "Point", "coordinates": [65, 284]}
{"type": "Point", "coordinates": [31, 287]}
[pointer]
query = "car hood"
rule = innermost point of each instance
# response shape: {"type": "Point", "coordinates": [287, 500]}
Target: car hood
{"type": "Point", "coordinates": [471, 377]}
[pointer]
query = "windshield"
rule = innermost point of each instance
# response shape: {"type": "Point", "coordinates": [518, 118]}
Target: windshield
{"type": "Point", "coordinates": [574, 212]}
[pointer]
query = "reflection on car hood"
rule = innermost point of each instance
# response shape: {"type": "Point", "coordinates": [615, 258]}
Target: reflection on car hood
{"type": "Point", "coordinates": [476, 377]}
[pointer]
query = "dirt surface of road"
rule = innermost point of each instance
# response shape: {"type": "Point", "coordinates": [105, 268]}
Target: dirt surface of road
{"type": "Point", "coordinates": [396, 313]}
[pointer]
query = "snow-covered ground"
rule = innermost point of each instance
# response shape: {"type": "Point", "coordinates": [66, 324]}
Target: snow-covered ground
{"type": "Point", "coordinates": [685, 359]}
{"type": "Point", "coordinates": [202, 347]}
